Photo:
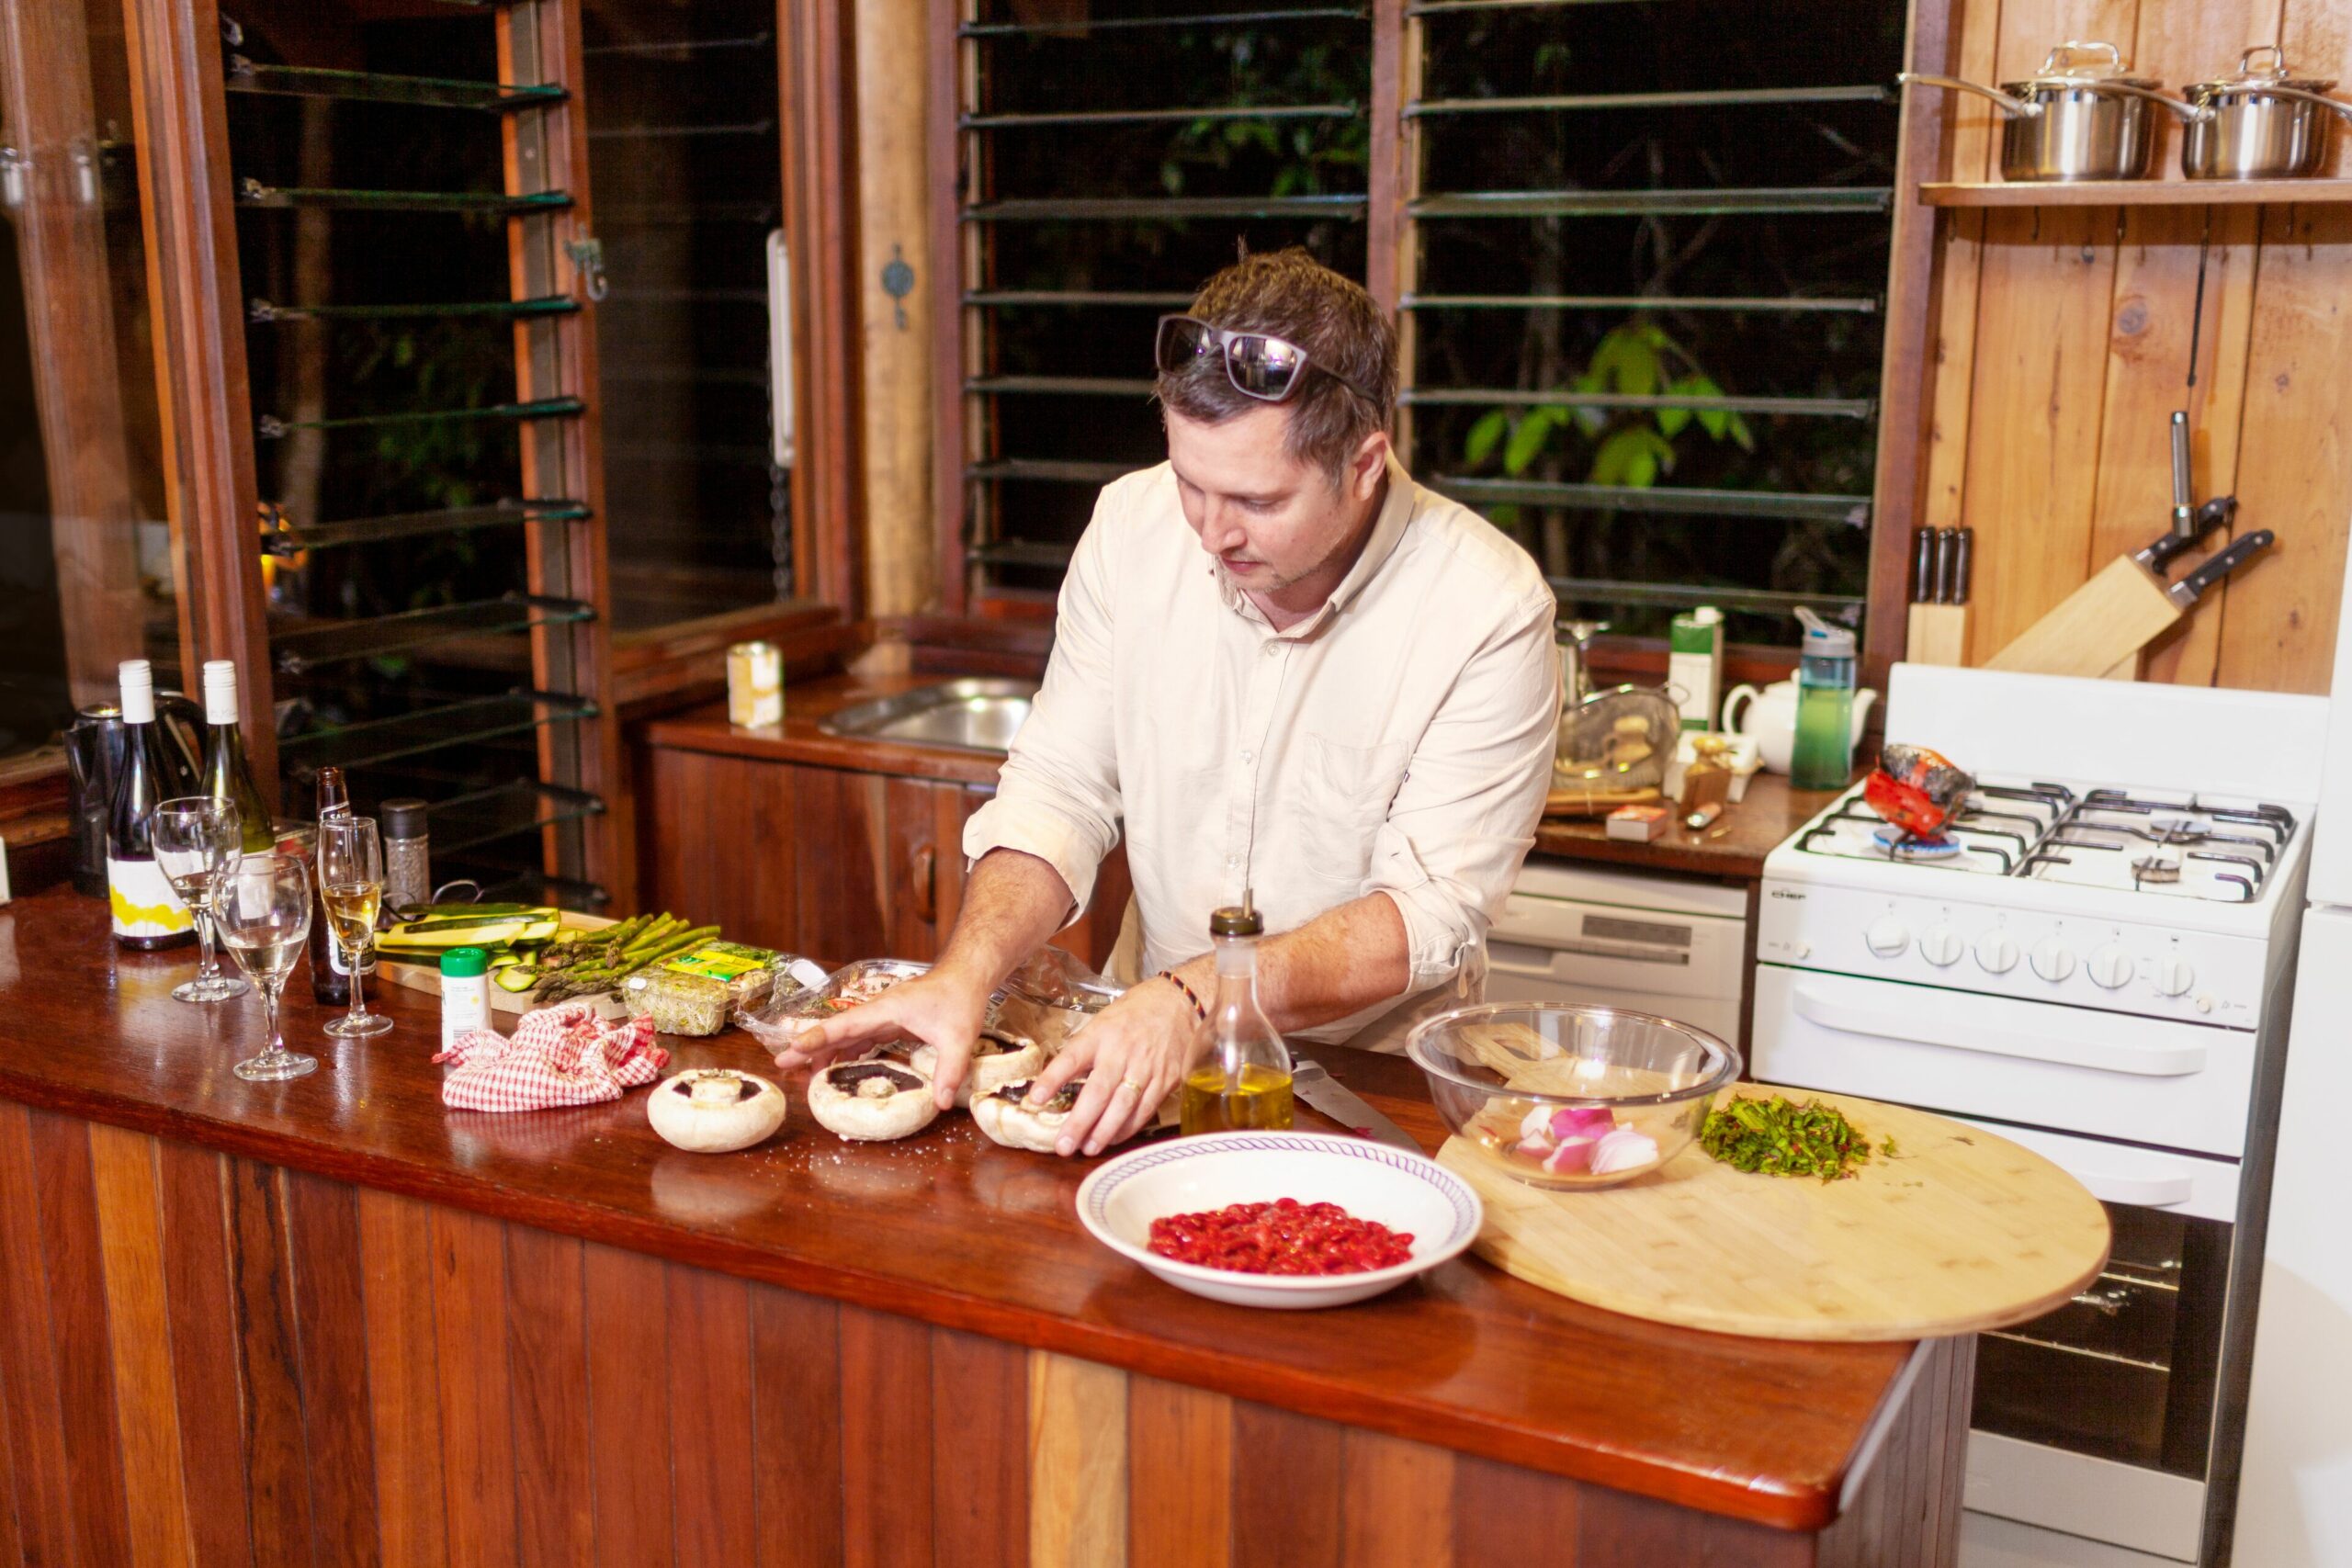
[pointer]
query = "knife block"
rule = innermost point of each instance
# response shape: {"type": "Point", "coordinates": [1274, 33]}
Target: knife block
{"type": "Point", "coordinates": [1937, 635]}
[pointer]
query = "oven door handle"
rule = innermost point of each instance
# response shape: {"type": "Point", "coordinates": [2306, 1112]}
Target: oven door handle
{"type": "Point", "coordinates": [2135, 1192]}
{"type": "Point", "coordinates": [2157, 1061]}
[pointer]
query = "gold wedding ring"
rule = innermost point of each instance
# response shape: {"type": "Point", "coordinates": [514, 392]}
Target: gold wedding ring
{"type": "Point", "coordinates": [1130, 1083]}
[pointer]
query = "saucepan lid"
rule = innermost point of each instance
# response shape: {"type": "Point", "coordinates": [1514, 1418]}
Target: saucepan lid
{"type": "Point", "coordinates": [2264, 66]}
{"type": "Point", "coordinates": [2081, 64]}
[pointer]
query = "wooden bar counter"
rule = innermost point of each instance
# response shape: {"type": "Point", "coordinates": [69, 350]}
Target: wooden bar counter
{"type": "Point", "coordinates": [329, 1321]}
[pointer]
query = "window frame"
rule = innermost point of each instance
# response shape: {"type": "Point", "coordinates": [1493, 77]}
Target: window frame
{"type": "Point", "coordinates": [1397, 51]}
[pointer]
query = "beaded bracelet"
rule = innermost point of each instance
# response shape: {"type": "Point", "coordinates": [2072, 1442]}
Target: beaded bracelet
{"type": "Point", "coordinates": [1199, 1012]}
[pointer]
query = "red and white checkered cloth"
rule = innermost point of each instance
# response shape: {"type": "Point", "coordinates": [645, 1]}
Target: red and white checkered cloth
{"type": "Point", "coordinates": [560, 1055]}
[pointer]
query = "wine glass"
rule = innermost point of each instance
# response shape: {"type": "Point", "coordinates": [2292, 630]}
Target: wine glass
{"type": "Point", "coordinates": [351, 886]}
{"type": "Point", "coordinates": [262, 906]}
{"type": "Point", "coordinates": [196, 839]}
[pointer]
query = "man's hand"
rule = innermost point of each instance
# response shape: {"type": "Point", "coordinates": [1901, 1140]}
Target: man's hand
{"type": "Point", "coordinates": [1133, 1054]}
{"type": "Point", "coordinates": [940, 1009]}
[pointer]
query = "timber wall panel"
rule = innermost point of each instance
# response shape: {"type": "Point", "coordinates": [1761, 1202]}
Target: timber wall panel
{"type": "Point", "coordinates": [206, 1360]}
{"type": "Point", "coordinates": [2061, 345]}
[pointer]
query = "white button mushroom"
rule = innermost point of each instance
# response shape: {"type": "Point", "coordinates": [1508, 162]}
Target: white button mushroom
{"type": "Point", "coordinates": [714, 1111]}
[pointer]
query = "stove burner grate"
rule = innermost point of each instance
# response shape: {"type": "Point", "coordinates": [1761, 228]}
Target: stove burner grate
{"type": "Point", "coordinates": [2155, 868]}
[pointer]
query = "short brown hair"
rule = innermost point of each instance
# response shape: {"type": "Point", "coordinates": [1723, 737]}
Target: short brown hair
{"type": "Point", "coordinates": [1292, 296]}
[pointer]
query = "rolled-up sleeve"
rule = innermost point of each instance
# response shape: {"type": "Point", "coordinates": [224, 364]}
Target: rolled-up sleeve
{"type": "Point", "coordinates": [1465, 815]}
{"type": "Point", "coordinates": [1057, 796]}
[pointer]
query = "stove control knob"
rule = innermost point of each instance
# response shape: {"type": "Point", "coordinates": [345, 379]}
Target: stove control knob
{"type": "Point", "coordinates": [2112, 967]}
{"type": "Point", "coordinates": [2053, 960]}
{"type": "Point", "coordinates": [2174, 975]}
{"type": "Point", "coordinates": [1887, 937]}
{"type": "Point", "coordinates": [1996, 953]}
{"type": "Point", "coordinates": [1941, 946]}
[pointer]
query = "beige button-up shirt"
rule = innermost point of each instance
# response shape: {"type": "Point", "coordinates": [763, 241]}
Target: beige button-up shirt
{"type": "Point", "coordinates": [1399, 741]}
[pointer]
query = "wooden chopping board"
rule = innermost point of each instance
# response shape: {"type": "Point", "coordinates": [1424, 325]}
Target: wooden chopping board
{"type": "Point", "coordinates": [1958, 1231]}
{"type": "Point", "coordinates": [426, 977]}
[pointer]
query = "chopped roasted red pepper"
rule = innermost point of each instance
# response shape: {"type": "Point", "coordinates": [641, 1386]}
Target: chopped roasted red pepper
{"type": "Point", "coordinates": [1284, 1236]}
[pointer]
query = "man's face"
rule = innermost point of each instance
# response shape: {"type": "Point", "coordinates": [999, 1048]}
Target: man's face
{"type": "Point", "coordinates": [1270, 519]}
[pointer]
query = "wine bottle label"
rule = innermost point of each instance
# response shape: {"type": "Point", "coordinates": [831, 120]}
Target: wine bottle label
{"type": "Point", "coordinates": [143, 901]}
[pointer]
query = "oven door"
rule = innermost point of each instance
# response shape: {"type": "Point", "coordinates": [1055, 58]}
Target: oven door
{"type": "Point", "coordinates": [2150, 1081]}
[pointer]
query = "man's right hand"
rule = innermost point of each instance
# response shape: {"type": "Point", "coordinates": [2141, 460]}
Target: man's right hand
{"type": "Point", "coordinates": [938, 1009]}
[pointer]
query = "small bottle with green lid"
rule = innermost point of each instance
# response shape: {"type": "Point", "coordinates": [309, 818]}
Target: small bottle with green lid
{"type": "Point", "coordinates": [1240, 1077]}
{"type": "Point", "coordinates": [465, 992]}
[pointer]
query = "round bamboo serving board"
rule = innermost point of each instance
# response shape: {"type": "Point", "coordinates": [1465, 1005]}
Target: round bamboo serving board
{"type": "Point", "coordinates": [1957, 1231]}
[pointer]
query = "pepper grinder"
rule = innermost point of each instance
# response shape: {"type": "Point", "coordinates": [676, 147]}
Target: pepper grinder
{"type": "Point", "coordinates": [408, 872]}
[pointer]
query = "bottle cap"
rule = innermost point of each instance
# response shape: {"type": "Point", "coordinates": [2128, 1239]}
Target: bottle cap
{"type": "Point", "coordinates": [464, 964]}
{"type": "Point", "coordinates": [403, 819]}
{"type": "Point", "coordinates": [220, 692]}
{"type": "Point", "coordinates": [1823, 640]}
{"type": "Point", "coordinates": [138, 690]}
{"type": "Point", "coordinates": [1236, 919]}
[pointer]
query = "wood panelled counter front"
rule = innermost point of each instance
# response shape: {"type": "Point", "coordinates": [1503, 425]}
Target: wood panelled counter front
{"type": "Point", "coordinates": [329, 1321]}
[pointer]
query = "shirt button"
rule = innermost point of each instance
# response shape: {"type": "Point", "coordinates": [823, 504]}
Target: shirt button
{"type": "Point", "coordinates": [1233, 863]}
{"type": "Point", "coordinates": [1269, 650]}
{"type": "Point", "coordinates": [1249, 756]}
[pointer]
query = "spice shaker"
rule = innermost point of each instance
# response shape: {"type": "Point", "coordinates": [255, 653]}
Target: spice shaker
{"type": "Point", "coordinates": [465, 992]}
{"type": "Point", "coordinates": [408, 872]}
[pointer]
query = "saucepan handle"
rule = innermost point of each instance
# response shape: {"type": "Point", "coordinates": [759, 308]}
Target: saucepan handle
{"type": "Point", "coordinates": [2319, 98]}
{"type": "Point", "coordinates": [2015, 107]}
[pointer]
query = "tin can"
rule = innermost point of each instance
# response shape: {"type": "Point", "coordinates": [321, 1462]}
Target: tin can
{"type": "Point", "coordinates": [754, 683]}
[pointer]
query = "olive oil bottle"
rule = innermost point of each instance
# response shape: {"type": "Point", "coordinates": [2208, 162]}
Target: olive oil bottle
{"type": "Point", "coordinates": [1242, 1079]}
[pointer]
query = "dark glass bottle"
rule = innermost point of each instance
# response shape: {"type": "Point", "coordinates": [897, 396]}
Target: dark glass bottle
{"type": "Point", "coordinates": [330, 981]}
{"type": "Point", "coordinates": [147, 913]}
{"type": "Point", "coordinates": [227, 775]}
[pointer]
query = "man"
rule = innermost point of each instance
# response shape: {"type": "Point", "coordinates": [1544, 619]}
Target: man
{"type": "Point", "coordinates": [1292, 674]}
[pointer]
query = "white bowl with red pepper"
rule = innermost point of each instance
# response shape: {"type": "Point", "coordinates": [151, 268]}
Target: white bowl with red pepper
{"type": "Point", "coordinates": [1284, 1220]}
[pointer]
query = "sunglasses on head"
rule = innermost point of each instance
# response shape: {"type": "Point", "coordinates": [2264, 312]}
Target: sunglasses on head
{"type": "Point", "coordinates": [1259, 364]}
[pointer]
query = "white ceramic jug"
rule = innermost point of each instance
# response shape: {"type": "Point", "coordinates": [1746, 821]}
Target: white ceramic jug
{"type": "Point", "coordinates": [1770, 717]}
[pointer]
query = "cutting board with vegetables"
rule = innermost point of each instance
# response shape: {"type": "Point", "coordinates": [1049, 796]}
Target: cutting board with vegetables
{"type": "Point", "coordinates": [1954, 1231]}
{"type": "Point", "coordinates": [517, 938]}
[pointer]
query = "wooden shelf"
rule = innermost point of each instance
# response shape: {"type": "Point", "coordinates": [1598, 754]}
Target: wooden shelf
{"type": "Point", "coordinates": [2133, 193]}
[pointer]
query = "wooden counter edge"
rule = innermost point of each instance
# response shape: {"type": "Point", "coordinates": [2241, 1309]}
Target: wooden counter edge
{"type": "Point", "coordinates": [1795, 1508]}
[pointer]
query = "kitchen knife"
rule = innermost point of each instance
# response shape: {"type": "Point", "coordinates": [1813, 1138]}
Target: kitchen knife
{"type": "Point", "coordinates": [2236, 553]}
{"type": "Point", "coordinates": [1344, 1105]}
{"type": "Point", "coordinates": [2160, 553]}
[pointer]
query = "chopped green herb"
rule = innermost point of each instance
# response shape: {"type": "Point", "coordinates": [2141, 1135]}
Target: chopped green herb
{"type": "Point", "coordinates": [1886, 1146]}
{"type": "Point", "coordinates": [1779, 1137]}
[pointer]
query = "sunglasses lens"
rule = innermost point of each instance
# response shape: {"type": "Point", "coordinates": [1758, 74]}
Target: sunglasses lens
{"type": "Point", "coordinates": [1263, 366]}
{"type": "Point", "coordinates": [1182, 341]}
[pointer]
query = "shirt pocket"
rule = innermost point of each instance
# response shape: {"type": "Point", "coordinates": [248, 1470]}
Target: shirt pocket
{"type": "Point", "coordinates": [1344, 796]}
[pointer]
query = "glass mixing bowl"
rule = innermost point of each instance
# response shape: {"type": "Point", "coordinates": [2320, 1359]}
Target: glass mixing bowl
{"type": "Point", "coordinates": [1569, 1097]}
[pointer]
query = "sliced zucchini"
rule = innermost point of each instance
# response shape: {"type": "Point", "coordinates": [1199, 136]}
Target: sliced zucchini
{"type": "Point", "coordinates": [515, 977]}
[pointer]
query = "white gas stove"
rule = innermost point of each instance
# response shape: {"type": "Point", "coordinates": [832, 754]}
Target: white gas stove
{"type": "Point", "coordinates": [2090, 961]}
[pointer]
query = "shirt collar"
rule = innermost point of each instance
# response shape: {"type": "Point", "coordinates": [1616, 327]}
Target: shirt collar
{"type": "Point", "coordinates": [1396, 510]}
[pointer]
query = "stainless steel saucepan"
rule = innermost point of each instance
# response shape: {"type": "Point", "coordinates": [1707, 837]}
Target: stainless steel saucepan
{"type": "Point", "coordinates": [2082, 117]}
{"type": "Point", "coordinates": [2259, 124]}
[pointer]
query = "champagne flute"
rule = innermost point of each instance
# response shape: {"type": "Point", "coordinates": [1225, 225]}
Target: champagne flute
{"type": "Point", "coordinates": [196, 840]}
{"type": "Point", "coordinates": [351, 889]}
{"type": "Point", "coordinates": [262, 906]}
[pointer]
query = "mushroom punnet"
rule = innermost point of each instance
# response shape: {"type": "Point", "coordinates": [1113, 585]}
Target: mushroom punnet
{"type": "Point", "coordinates": [871, 1101]}
{"type": "Point", "coordinates": [714, 1111]}
{"type": "Point", "coordinates": [998, 1056]}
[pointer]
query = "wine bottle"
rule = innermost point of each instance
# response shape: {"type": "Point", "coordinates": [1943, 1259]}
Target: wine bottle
{"type": "Point", "coordinates": [227, 775]}
{"type": "Point", "coordinates": [147, 913]}
{"type": "Point", "coordinates": [330, 981]}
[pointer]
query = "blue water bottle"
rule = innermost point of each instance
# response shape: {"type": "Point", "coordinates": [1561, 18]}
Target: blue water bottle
{"type": "Point", "coordinates": [1824, 754]}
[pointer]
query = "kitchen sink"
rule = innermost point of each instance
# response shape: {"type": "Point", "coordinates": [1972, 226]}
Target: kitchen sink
{"type": "Point", "coordinates": [977, 714]}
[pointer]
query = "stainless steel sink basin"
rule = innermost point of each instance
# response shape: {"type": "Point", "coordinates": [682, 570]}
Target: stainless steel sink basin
{"type": "Point", "coordinates": [979, 714]}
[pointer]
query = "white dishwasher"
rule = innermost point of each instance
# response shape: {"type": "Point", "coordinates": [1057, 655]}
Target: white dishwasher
{"type": "Point", "coordinates": [1656, 944]}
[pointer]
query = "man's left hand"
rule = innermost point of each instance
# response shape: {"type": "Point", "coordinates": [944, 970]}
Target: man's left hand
{"type": "Point", "coordinates": [1133, 1054]}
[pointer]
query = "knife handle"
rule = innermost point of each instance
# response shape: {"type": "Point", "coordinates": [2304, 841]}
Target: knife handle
{"type": "Point", "coordinates": [1923, 564]}
{"type": "Point", "coordinates": [2190, 589]}
{"type": "Point", "coordinates": [1964, 564]}
{"type": "Point", "coordinates": [1939, 592]}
